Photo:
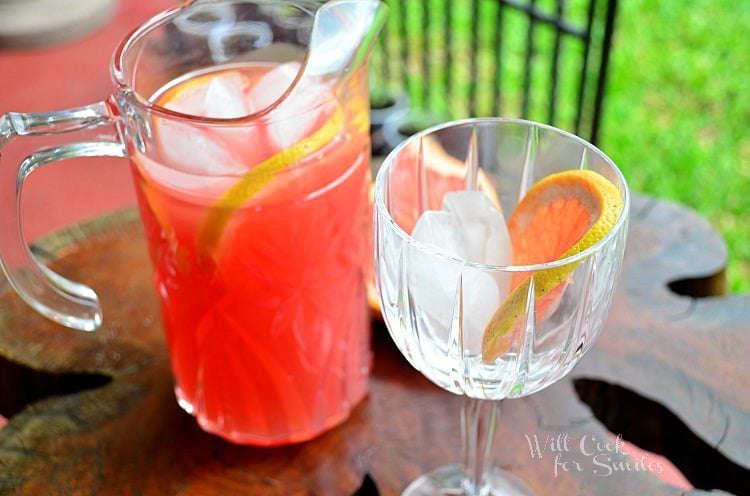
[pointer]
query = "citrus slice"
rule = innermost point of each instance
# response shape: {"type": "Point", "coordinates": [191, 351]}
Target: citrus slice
{"type": "Point", "coordinates": [561, 215]}
{"type": "Point", "coordinates": [371, 289]}
{"type": "Point", "coordinates": [442, 174]}
{"type": "Point", "coordinates": [230, 150]}
{"type": "Point", "coordinates": [218, 215]}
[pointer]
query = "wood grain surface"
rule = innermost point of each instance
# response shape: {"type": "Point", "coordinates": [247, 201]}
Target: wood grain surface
{"type": "Point", "coordinates": [94, 413]}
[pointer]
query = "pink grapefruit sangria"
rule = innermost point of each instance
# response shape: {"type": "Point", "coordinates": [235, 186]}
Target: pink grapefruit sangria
{"type": "Point", "coordinates": [255, 217]}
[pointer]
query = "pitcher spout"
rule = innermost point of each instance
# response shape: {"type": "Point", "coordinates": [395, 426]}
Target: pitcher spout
{"type": "Point", "coordinates": [343, 34]}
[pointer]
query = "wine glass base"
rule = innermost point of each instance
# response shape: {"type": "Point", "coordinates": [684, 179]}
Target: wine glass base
{"type": "Point", "coordinates": [446, 481]}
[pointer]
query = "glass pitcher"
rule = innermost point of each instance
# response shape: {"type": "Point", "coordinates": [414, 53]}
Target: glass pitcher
{"type": "Point", "coordinates": [246, 125]}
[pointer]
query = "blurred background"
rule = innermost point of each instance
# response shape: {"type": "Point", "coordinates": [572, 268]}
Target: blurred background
{"type": "Point", "coordinates": [677, 111]}
{"type": "Point", "coordinates": [673, 113]}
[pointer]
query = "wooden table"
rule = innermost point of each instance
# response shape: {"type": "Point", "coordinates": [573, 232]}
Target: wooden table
{"type": "Point", "coordinates": [95, 413]}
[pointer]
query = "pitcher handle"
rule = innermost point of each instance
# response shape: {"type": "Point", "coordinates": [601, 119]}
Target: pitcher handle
{"type": "Point", "coordinates": [66, 302]}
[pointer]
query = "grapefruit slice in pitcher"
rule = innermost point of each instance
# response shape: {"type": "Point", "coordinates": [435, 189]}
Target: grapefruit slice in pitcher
{"type": "Point", "coordinates": [253, 181]}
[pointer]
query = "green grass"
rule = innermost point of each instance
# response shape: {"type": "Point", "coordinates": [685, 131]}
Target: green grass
{"type": "Point", "coordinates": [677, 109]}
{"type": "Point", "coordinates": [677, 113]}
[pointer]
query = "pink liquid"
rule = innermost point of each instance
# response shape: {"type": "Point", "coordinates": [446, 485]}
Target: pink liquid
{"type": "Point", "coordinates": [269, 331]}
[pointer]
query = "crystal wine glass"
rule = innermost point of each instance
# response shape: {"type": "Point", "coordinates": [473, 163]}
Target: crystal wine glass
{"type": "Point", "coordinates": [442, 288]}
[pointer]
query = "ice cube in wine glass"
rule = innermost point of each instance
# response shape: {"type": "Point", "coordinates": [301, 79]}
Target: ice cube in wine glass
{"type": "Point", "coordinates": [484, 231]}
{"type": "Point", "coordinates": [441, 230]}
{"type": "Point", "coordinates": [470, 228]}
{"type": "Point", "coordinates": [432, 280]}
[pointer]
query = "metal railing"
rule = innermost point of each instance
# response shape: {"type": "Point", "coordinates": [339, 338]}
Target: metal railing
{"type": "Point", "coordinates": [544, 60]}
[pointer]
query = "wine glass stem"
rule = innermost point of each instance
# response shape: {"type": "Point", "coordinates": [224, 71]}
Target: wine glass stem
{"type": "Point", "coordinates": [478, 421]}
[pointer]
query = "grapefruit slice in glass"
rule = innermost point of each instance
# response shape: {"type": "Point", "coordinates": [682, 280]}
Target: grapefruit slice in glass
{"type": "Point", "coordinates": [560, 216]}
